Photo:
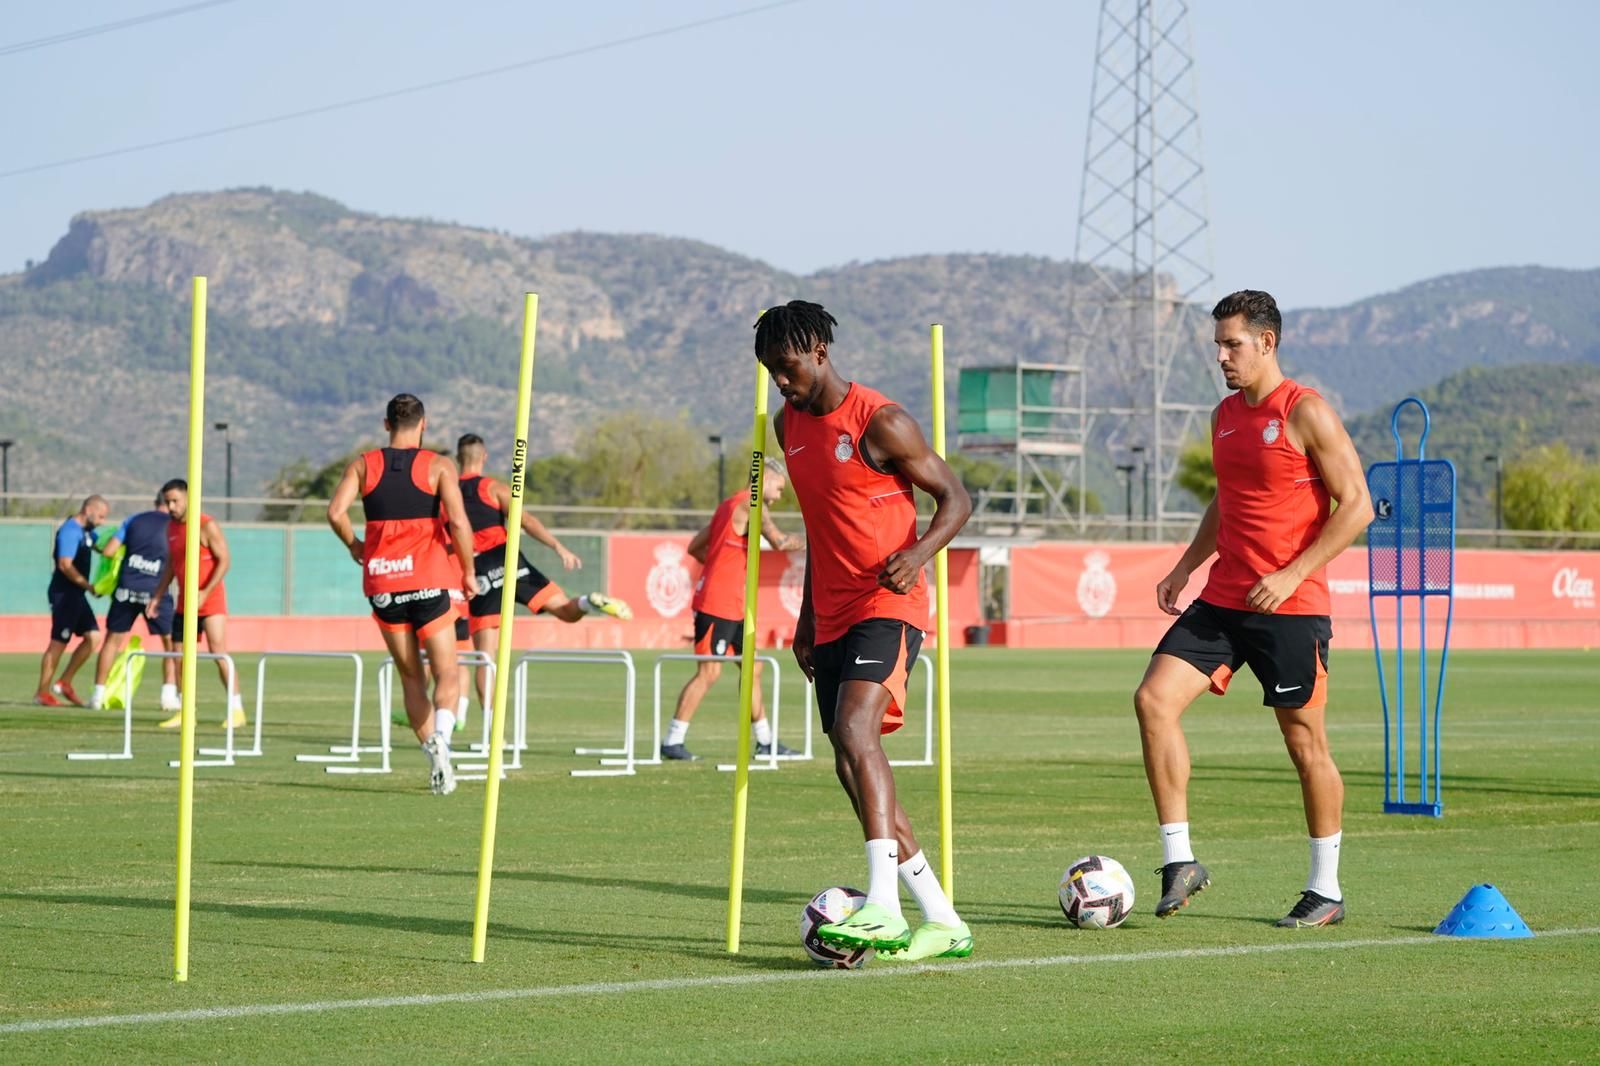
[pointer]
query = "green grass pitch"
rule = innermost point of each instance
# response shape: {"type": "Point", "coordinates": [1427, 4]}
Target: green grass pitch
{"type": "Point", "coordinates": [607, 918]}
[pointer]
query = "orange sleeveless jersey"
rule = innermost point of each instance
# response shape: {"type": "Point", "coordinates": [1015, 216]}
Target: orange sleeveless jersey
{"type": "Point", "coordinates": [720, 590]}
{"type": "Point", "coordinates": [404, 547]}
{"type": "Point", "coordinates": [217, 602]}
{"type": "Point", "coordinates": [1271, 502]}
{"type": "Point", "coordinates": [855, 516]}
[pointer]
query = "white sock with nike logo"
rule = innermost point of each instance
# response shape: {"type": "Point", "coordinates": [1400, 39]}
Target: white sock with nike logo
{"type": "Point", "coordinates": [762, 728]}
{"type": "Point", "coordinates": [1175, 843]}
{"type": "Point", "coordinates": [882, 860]}
{"type": "Point", "coordinates": [920, 881]}
{"type": "Point", "coordinates": [1324, 879]}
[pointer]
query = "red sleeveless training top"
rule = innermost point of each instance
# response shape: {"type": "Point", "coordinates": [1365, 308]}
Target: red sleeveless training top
{"type": "Point", "coordinates": [720, 590]}
{"type": "Point", "coordinates": [484, 515]}
{"type": "Point", "coordinates": [856, 516]}
{"type": "Point", "coordinates": [405, 545]}
{"type": "Point", "coordinates": [1271, 503]}
{"type": "Point", "coordinates": [217, 602]}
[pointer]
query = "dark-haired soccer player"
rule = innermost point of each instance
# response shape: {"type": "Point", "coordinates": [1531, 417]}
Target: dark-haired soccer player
{"type": "Point", "coordinates": [70, 614]}
{"type": "Point", "coordinates": [144, 535]}
{"type": "Point", "coordinates": [854, 457]}
{"type": "Point", "coordinates": [722, 547]}
{"type": "Point", "coordinates": [1281, 455]}
{"type": "Point", "coordinates": [212, 614]}
{"type": "Point", "coordinates": [403, 490]}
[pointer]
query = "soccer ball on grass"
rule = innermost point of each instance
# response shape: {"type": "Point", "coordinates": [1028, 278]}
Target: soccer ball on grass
{"type": "Point", "coordinates": [1096, 893]}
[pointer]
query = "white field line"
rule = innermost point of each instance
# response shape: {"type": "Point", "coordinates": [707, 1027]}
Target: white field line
{"type": "Point", "coordinates": [1303, 942]}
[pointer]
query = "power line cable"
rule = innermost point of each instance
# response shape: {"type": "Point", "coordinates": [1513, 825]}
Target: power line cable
{"type": "Point", "coordinates": [323, 109]}
{"type": "Point", "coordinates": [108, 27]}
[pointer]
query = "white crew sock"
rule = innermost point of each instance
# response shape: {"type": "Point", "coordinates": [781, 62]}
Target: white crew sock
{"type": "Point", "coordinates": [677, 729]}
{"type": "Point", "coordinates": [444, 722]}
{"type": "Point", "coordinates": [763, 730]}
{"type": "Point", "coordinates": [1324, 878]}
{"type": "Point", "coordinates": [235, 702]}
{"type": "Point", "coordinates": [461, 707]}
{"type": "Point", "coordinates": [883, 860]}
{"type": "Point", "coordinates": [169, 693]}
{"type": "Point", "coordinates": [588, 608]}
{"type": "Point", "coordinates": [1175, 843]}
{"type": "Point", "coordinates": [918, 877]}
{"type": "Point", "coordinates": [99, 697]}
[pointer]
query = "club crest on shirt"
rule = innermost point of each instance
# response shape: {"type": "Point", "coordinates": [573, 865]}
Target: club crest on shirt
{"type": "Point", "coordinates": [844, 449]}
{"type": "Point", "coordinates": [1271, 432]}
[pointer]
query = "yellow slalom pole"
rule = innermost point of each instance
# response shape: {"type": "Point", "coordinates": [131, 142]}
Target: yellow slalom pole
{"type": "Point", "coordinates": [941, 651]}
{"type": "Point", "coordinates": [747, 660]}
{"type": "Point", "coordinates": [508, 613]}
{"type": "Point", "coordinates": [191, 627]}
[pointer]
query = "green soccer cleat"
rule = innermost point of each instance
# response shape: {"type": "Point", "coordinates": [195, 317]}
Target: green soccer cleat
{"type": "Point", "coordinates": [610, 605]}
{"type": "Point", "coordinates": [870, 927]}
{"type": "Point", "coordinates": [934, 940]}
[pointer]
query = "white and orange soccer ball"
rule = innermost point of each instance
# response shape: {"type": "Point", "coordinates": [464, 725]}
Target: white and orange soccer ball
{"type": "Point", "coordinates": [1096, 893]}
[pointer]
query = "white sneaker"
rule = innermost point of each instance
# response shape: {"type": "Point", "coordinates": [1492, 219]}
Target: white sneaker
{"type": "Point", "coordinates": [173, 705]}
{"type": "Point", "coordinates": [441, 778]}
{"type": "Point", "coordinates": [96, 703]}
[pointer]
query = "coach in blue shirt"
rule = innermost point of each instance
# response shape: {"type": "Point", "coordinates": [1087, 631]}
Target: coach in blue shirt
{"type": "Point", "coordinates": [70, 613]}
{"type": "Point", "coordinates": [145, 537]}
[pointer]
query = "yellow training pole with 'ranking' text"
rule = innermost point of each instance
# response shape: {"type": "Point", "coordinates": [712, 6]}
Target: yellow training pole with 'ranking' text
{"type": "Point", "coordinates": [747, 658]}
{"type": "Point", "coordinates": [191, 626]}
{"type": "Point", "coordinates": [941, 651]}
{"type": "Point", "coordinates": [508, 612]}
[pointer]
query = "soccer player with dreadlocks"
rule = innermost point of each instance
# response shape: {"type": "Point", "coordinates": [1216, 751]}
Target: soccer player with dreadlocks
{"type": "Point", "coordinates": [853, 457]}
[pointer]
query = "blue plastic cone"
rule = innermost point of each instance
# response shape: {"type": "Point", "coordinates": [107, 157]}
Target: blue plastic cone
{"type": "Point", "coordinates": [1484, 912]}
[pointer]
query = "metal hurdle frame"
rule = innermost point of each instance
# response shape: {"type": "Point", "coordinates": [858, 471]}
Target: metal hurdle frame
{"type": "Point", "coordinates": [350, 754]}
{"type": "Point", "coordinates": [621, 759]}
{"type": "Point", "coordinates": [227, 751]}
{"type": "Point", "coordinates": [771, 762]}
{"type": "Point", "coordinates": [1410, 575]}
{"type": "Point", "coordinates": [480, 748]}
{"type": "Point", "coordinates": [927, 740]}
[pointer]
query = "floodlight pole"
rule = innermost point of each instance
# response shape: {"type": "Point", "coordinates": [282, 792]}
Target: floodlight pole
{"type": "Point", "coordinates": [1499, 495]}
{"type": "Point", "coordinates": [716, 440]}
{"type": "Point", "coordinates": [1126, 470]}
{"type": "Point", "coordinates": [1139, 453]}
{"type": "Point", "coordinates": [227, 447]}
{"type": "Point", "coordinates": [5, 476]}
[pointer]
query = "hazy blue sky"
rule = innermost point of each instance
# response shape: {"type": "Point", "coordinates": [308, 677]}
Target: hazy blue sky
{"type": "Point", "coordinates": [1351, 148]}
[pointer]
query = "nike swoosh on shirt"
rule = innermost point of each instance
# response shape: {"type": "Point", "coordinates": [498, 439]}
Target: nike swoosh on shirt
{"type": "Point", "coordinates": [1291, 688]}
{"type": "Point", "coordinates": [863, 662]}
{"type": "Point", "coordinates": [1223, 433]}
{"type": "Point", "coordinates": [796, 451]}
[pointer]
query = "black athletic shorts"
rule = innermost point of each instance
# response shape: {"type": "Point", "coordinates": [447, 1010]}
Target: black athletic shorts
{"type": "Point", "coordinates": [534, 590]}
{"type": "Point", "coordinates": [128, 606]}
{"type": "Point", "coordinates": [717, 636]}
{"type": "Point", "coordinates": [879, 649]}
{"type": "Point", "coordinates": [420, 610]}
{"type": "Point", "coordinates": [1288, 653]}
{"type": "Point", "coordinates": [70, 615]}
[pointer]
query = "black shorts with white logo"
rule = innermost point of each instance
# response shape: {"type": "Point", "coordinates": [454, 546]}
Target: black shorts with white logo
{"type": "Point", "coordinates": [128, 606]}
{"type": "Point", "coordinates": [420, 610]}
{"type": "Point", "coordinates": [1288, 653]}
{"type": "Point", "coordinates": [534, 590]}
{"type": "Point", "coordinates": [717, 636]}
{"type": "Point", "coordinates": [880, 650]}
{"type": "Point", "coordinates": [71, 616]}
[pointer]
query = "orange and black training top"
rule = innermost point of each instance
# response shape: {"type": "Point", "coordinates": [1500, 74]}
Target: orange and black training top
{"type": "Point", "coordinates": [484, 515]}
{"type": "Point", "coordinates": [856, 516]}
{"type": "Point", "coordinates": [405, 545]}
{"type": "Point", "coordinates": [1271, 502]}
{"type": "Point", "coordinates": [720, 591]}
{"type": "Point", "coordinates": [217, 602]}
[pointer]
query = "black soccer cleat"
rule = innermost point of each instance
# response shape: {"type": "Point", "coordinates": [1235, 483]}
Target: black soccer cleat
{"type": "Point", "coordinates": [679, 752]}
{"type": "Point", "coordinates": [1179, 881]}
{"type": "Point", "coordinates": [1313, 910]}
{"type": "Point", "coordinates": [765, 750]}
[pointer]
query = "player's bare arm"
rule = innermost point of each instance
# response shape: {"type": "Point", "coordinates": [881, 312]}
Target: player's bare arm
{"type": "Point", "coordinates": [211, 538]}
{"type": "Point", "coordinates": [70, 572]}
{"type": "Point", "coordinates": [895, 442]}
{"type": "Point", "coordinates": [777, 538]}
{"type": "Point", "coordinates": [344, 494]}
{"type": "Point", "coordinates": [533, 527]}
{"type": "Point", "coordinates": [699, 545]}
{"type": "Point", "coordinates": [1201, 548]}
{"type": "Point", "coordinates": [1315, 428]}
{"type": "Point", "coordinates": [448, 487]}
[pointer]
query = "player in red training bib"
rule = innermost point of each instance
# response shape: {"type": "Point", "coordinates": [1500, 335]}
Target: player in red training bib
{"type": "Point", "coordinates": [854, 458]}
{"type": "Point", "coordinates": [404, 491]}
{"type": "Point", "coordinates": [212, 613]}
{"type": "Point", "coordinates": [722, 548]}
{"type": "Point", "coordinates": [1282, 456]}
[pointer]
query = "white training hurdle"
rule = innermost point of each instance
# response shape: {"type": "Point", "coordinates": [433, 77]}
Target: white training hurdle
{"type": "Point", "coordinates": [927, 739]}
{"type": "Point", "coordinates": [226, 752]}
{"type": "Point", "coordinates": [339, 754]}
{"type": "Point", "coordinates": [771, 761]}
{"type": "Point", "coordinates": [480, 749]}
{"type": "Point", "coordinates": [622, 759]}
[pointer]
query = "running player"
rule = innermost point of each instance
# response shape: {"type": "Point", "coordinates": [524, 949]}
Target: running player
{"type": "Point", "coordinates": [212, 614]}
{"type": "Point", "coordinates": [722, 548]}
{"type": "Point", "coordinates": [854, 456]}
{"type": "Point", "coordinates": [405, 490]}
{"type": "Point", "coordinates": [1281, 454]}
{"type": "Point", "coordinates": [486, 500]}
{"type": "Point", "coordinates": [145, 537]}
{"type": "Point", "coordinates": [70, 613]}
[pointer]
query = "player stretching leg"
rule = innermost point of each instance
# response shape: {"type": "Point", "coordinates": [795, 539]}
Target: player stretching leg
{"type": "Point", "coordinates": [853, 458]}
{"type": "Point", "coordinates": [403, 488]}
{"type": "Point", "coordinates": [1281, 454]}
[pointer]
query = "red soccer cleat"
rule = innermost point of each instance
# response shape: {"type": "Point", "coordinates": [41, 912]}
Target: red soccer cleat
{"type": "Point", "coordinates": [63, 689]}
{"type": "Point", "coordinates": [45, 699]}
